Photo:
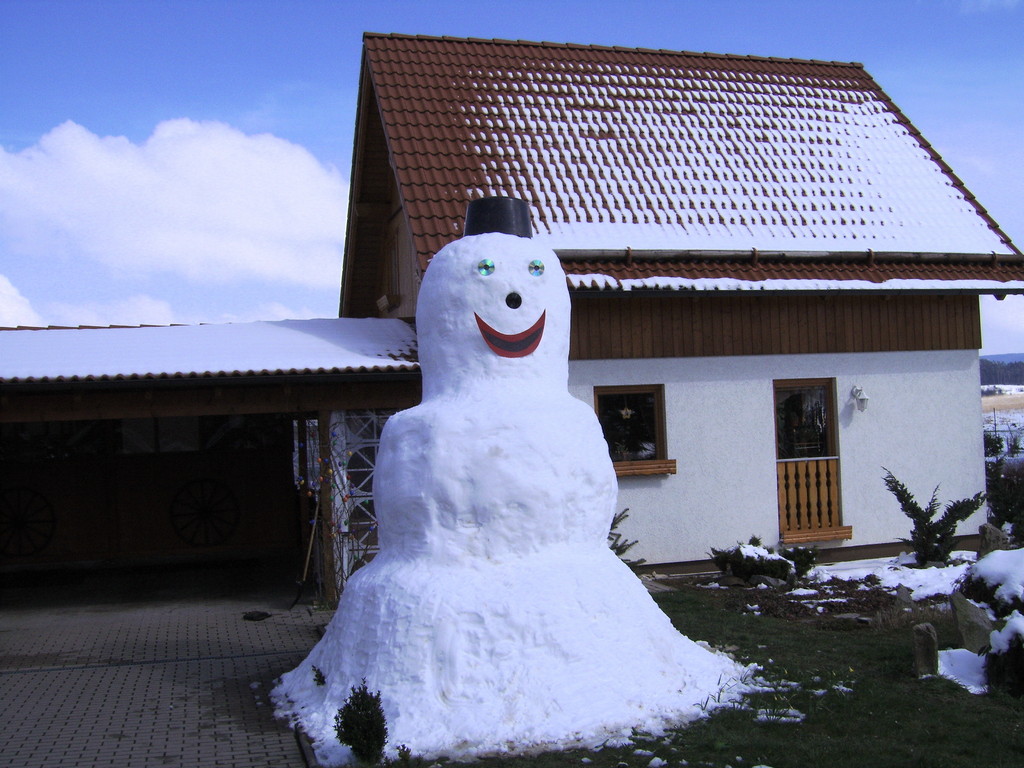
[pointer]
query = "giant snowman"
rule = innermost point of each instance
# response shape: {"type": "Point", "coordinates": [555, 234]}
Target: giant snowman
{"type": "Point", "coordinates": [495, 618]}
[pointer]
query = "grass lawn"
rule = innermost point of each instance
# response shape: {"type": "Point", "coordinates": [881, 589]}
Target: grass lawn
{"type": "Point", "coordinates": [873, 713]}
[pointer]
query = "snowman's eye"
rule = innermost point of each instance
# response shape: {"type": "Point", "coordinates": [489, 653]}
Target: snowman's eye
{"type": "Point", "coordinates": [536, 267]}
{"type": "Point", "coordinates": [485, 267]}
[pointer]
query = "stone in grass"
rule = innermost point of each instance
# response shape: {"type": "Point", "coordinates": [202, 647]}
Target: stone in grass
{"type": "Point", "coordinates": [973, 625]}
{"type": "Point", "coordinates": [926, 650]}
{"type": "Point", "coordinates": [769, 581]}
{"type": "Point", "coordinates": [731, 581]}
{"type": "Point", "coordinates": [1004, 664]}
{"type": "Point", "coordinates": [992, 539]}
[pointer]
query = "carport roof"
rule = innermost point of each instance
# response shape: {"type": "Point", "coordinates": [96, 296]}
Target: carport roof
{"type": "Point", "coordinates": [265, 348]}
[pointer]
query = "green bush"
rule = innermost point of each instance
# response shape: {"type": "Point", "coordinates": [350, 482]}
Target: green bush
{"type": "Point", "coordinates": [994, 445]}
{"type": "Point", "coordinates": [1005, 485]}
{"type": "Point", "coordinates": [361, 725]}
{"type": "Point", "coordinates": [932, 540]}
{"type": "Point", "coordinates": [318, 676]}
{"type": "Point", "coordinates": [803, 559]}
{"type": "Point", "coordinates": [619, 545]}
{"type": "Point", "coordinates": [747, 560]}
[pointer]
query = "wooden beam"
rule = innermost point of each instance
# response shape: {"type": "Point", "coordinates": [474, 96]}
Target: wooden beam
{"type": "Point", "coordinates": [205, 398]}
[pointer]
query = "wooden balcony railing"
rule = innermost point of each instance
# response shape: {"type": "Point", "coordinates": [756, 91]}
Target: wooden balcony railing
{"type": "Point", "coordinates": [809, 501]}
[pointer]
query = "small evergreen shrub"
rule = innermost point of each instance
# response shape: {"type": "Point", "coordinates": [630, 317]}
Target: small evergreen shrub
{"type": "Point", "coordinates": [747, 560]}
{"type": "Point", "coordinates": [318, 676]}
{"type": "Point", "coordinates": [361, 725]}
{"type": "Point", "coordinates": [803, 559]}
{"type": "Point", "coordinates": [932, 540]}
{"type": "Point", "coordinates": [404, 756]}
{"type": "Point", "coordinates": [619, 545]}
{"type": "Point", "coordinates": [994, 445]}
{"type": "Point", "coordinates": [1005, 485]}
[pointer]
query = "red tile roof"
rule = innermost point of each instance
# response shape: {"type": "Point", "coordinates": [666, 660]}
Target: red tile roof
{"type": "Point", "coordinates": [671, 151]}
{"type": "Point", "coordinates": [746, 274]}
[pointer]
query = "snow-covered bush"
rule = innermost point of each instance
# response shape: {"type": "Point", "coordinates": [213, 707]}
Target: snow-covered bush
{"type": "Point", "coordinates": [932, 540]}
{"type": "Point", "coordinates": [1004, 663]}
{"type": "Point", "coordinates": [746, 560]}
{"type": "Point", "coordinates": [361, 725]}
{"type": "Point", "coordinates": [997, 580]}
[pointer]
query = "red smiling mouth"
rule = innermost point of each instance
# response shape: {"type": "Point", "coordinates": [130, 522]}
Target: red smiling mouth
{"type": "Point", "coordinates": [515, 344]}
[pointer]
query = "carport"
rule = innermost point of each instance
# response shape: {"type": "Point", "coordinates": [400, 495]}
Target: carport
{"type": "Point", "coordinates": [178, 443]}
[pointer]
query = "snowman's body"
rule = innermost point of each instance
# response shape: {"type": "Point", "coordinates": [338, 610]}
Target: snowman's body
{"type": "Point", "coordinates": [495, 617]}
{"type": "Point", "coordinates": [466, 478]}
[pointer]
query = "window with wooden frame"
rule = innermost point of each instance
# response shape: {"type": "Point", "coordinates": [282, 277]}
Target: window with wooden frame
{"type": "Point", "coordinates": [633, 421]}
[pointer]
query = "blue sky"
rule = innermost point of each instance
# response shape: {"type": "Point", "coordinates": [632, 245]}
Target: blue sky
{"type": "Point", "coordinates": [188, 161]}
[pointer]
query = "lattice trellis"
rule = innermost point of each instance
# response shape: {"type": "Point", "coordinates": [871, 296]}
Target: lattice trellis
{"type": "Point", "coordinates": [355, 437]}
{"type": "Point", "coordinates": [334, 470]}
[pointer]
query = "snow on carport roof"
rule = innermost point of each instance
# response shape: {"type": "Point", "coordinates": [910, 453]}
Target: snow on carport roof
{"type": "Point", "coordinates": [334, 345]}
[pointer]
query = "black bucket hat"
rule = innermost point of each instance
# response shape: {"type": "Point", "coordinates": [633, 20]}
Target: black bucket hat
{"type": "Point", "coordinates": [508, 215]}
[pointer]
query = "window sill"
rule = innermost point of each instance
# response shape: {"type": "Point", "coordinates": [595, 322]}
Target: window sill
{"type": "Point", "coordinates": [648, 467]}
{"type": "Point", "coordinates": [824, 534]}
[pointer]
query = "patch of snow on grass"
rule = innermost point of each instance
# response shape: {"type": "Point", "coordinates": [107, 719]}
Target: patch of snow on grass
{"type": "Point", "coordinates": [964, 668]}
{"type": "Point", "coordinates": [892, 572]}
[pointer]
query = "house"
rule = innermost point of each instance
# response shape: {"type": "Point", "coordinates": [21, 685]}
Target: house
{"type": "Point", "coordinates": [774, 277]}
{"type": "Point", "coordinates": [121, 445]}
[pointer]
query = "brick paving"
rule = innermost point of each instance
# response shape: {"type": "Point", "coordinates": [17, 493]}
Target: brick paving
{"type": "Point", "coordinates": [149, 669]}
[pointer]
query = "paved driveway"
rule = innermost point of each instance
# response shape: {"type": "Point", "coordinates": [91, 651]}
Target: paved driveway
{"type": "Point", "coordinates": [151, 668]}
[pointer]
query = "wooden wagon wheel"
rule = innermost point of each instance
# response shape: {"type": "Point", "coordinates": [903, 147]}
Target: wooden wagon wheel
{"type": "Point", "coordinates": [204, 513]}
{"type": "Point", "coordinates": [27, 522]}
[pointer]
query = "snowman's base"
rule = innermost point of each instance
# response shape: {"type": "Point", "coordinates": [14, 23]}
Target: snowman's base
{"type": "Point", "coordinates": [555, 649]}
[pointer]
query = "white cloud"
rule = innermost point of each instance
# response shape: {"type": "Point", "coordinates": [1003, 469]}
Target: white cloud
{"type": "Point", "coordinates": [132, 310]}
{"type": "Point", "coordinates": [197, 199]}
{"type": "Point", "coordinates": [142, 309]}
{"type": "Point", "coordinates": [15, 309]}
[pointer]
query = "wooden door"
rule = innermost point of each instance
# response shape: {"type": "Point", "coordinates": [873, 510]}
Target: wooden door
{"type": "Point", "coordinates": [807, 462]}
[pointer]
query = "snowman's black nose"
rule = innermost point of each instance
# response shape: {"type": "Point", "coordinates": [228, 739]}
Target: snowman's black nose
{"type": "Point", "coordinates": [514, 300]}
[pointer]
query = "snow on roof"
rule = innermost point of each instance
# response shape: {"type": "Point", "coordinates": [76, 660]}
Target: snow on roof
{"type": "Point", "coordinates": [607, 282]}
{"type": "Point", "coordinates": [337, 345]}
{"type": "Point", "coordinates": [620, 148]}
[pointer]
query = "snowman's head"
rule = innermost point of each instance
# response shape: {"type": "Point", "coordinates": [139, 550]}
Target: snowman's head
{"type": "Point", "coordinates": [493, 307]}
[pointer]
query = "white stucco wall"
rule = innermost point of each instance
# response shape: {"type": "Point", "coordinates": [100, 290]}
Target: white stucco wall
{"type": "Point", "coordinates": [923, 422]}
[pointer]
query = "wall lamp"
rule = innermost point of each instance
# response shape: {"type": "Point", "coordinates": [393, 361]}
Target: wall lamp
{"type": "Point", "coordinates": [857, 393]}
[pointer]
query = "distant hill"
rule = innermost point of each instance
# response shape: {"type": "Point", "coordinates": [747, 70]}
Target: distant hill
{"type": "Point", "coordinates": [1002, 369]}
